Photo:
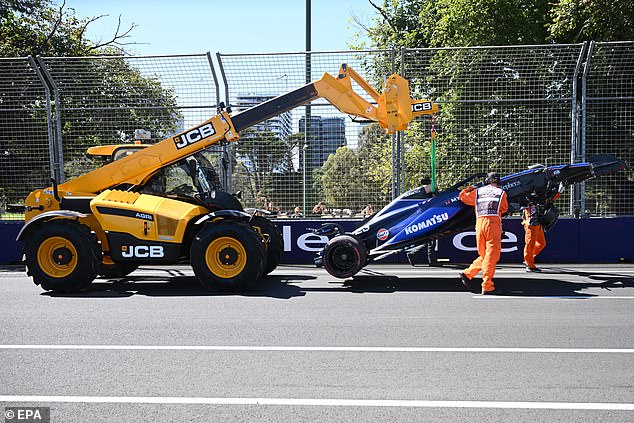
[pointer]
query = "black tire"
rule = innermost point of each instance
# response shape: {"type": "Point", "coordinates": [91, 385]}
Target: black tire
{"type": "Point", "coordinates": [344, 256]}
{"type": "Point", "coordinates": [116, 270]}
{"type": "Point", "coordinates": [62, 255]}
{"type": "Point", "coordinates": [227, 256]}
{"type": "Point", "coordinates": [274, 242]}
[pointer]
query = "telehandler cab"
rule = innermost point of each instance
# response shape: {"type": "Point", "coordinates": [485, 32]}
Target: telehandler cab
{"type": "Point", "coordinates": [111, 220]}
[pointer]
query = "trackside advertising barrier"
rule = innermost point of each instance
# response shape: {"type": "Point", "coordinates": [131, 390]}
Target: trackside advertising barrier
{"type": "Point", "coordinates": [591, 240]}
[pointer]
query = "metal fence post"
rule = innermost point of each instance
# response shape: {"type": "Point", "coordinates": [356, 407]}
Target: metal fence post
{"type": "Point", "coordinates": [575, 139]}
{"type": "Point", "coordinates": [221, 154]}
{"type": "Point", "coordinates": [582, 133]}
{"type": "Point", "coordinates": [226, 162]}
{"type": "Point", "coordinates": [58, 151]}
{"type": "Point", "coordinates": [307, 130]}
{"type": "Point", "coordinates": [49, 117]}
{"type": "Point", "coordinates": [395, 150]}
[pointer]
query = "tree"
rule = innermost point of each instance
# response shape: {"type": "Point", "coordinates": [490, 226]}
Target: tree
{"type": "Point", "coordinates": [40, 27]}
{"type": "Point", "coordinates": [262, 157]}
{"type": "Point", "coordinates": [374, 157]}
{"type": "Point", "coordinates": [109, 98]}
{"type": "Point", "coordinates": [489, 127]}
{"type": "Point", "coordinates": [343, 180]}
{"type": "Point", "coordinates": [575, 21]}
{"type": "Point", "coordinates": [463, 23]}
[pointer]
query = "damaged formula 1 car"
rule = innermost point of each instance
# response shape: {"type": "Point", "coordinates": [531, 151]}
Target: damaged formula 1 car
{"type": "Point", "coordinates": [414, 218]}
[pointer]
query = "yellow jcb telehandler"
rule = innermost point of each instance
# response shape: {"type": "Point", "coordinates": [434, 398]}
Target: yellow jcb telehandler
{"type": "Point", "coordinates": [111, 220]}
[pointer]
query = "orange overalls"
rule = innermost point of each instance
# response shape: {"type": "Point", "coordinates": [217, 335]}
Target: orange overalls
{"type": "Point", "coordinates": [490, 204]}
{"type": "Point", "coordinates": [534, 238]}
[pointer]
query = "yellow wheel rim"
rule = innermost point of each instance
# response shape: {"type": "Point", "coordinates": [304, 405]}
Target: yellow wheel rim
{"type": "Point", "coordinates": [264, 236]}
{"type": "Point", "coordinates": [226, 257]}
{"type": "Point", "coordinates": [57, 257]}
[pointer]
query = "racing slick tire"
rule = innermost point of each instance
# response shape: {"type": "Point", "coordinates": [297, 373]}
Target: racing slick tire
{"type": "Point", "coordinates": [274, 242]}
{"type": "Point", "coordinates": [344, 256]}
{"type": "Point", "coordinates": [228, 256]}
{"type": "Point", "coordinates": [62, 255]}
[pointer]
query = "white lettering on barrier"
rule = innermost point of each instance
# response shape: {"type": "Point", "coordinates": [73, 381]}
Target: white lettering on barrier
{"type": "Point", "coordinates": [507, 238]}
{"type": "Point", "coordinates": [288, 241]}
{"type": "Point", "coordinates": [308, 241]}
{"type": "Point", "coordinates": [311, 242]}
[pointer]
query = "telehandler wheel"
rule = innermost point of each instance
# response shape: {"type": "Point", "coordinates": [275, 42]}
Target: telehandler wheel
{"type": "Point", "coordinates": [116, 270]}
{"type": "Point", "coordinates": [344, 256]}
{"type": "Point", "coordinates": [62, 256]}
{"type": "Point", "coordinates": [274, 242]}
{"type": "Point", "coordinates": [228, 256]}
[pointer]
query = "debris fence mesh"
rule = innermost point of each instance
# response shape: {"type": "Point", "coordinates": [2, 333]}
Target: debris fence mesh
{"type": "Point", "coordinates": [501, 108]}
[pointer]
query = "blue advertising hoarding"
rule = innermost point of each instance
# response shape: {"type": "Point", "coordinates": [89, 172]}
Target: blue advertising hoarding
{"type": "Point", "coordinates": [591, 240]}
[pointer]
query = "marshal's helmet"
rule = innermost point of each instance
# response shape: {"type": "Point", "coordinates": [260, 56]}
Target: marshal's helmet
{"type": "Point", "coordinates": [492, 178]}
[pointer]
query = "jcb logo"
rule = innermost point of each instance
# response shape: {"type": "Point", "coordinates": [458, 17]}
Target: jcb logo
{"type": "Point", "coordinates": [142, 251]}
{"type": "Point", "coordinates": [422, 107]}
{"type": "Point", "coordinates": [194, 135]}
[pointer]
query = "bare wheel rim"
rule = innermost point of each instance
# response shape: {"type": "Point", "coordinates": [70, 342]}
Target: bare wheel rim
{"type": "Point", "coordinates": [226, 257]}
{"type": "Point", "coordinates": [57, 257]}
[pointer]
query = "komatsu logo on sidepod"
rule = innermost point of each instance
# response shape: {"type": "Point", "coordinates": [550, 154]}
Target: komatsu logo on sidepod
{"type": "Point", "coordinates": [434, 220]}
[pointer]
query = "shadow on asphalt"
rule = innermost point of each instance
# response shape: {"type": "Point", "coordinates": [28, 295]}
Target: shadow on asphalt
{"type": "Point", "coordinates": [552, 283]}
{"type": "Point", "coordinates": [12, 268]}
{"type": "Point", "coordinates": [278, 286]}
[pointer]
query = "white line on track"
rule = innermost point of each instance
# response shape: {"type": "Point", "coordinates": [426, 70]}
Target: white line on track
{"type": "Point", "coordinates": [553, 297]}
{"type": "Point", "coordinates": [321, 402]}
{"type": "Point", "coordinates": [308, 349]}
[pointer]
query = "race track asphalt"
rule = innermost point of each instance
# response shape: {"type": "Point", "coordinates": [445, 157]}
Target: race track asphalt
{"type": "Point", "coordinates": [393, 344]}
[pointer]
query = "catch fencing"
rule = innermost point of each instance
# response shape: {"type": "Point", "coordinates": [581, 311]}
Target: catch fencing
{"type": "Point", "coordinates": [501, 108]}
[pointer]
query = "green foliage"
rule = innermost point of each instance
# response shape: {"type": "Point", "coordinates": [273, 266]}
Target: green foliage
{"type": "Point", "coordinates": [104, 100]}
{"type": "Point", "coordinates": [462, 23]}
{"type": "Point", "coordinates": [352, 178]}
{"type": "Point", "coordinates": [484, 22]}
{"type": "Point", "coordinates": [39, 27]}
{"type": "Point", "coordinates": [575, 21]}
{"type": "Point", "coordinates": [263, 159]}
{"type": "Point", "coordinates": [340, 179]}
{"type": "Point", "coordinates": [129, 97]}
{"type": "Point", "coordinates": [399, 25]}
{"type": "Point", "coordinates": [375, 161]}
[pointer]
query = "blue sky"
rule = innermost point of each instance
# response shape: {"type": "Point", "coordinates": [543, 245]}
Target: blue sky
{"type": "Point", "coordinates": [239, 26]}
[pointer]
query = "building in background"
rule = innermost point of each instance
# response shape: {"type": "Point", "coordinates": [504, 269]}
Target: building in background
{"type": "Point", "coordinates": [327, 134]}
{"type": "Point", "coordinates": [280, 125]}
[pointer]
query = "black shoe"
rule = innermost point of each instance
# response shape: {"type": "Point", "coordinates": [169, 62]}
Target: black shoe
{"type": "Point", "coordinates": [533, 269]}
{"type": "Point", "coordinates": [466, 282]}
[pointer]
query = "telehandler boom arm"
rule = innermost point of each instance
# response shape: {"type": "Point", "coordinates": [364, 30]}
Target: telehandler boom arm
{"type": "Point", "coordinates": [393, 111]}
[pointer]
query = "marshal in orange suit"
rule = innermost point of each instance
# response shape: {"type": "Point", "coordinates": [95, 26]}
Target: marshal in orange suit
{"type": "Point", "coordinates": [535, 239]}
{"type": "Point", "coordinates": [490, 204]}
